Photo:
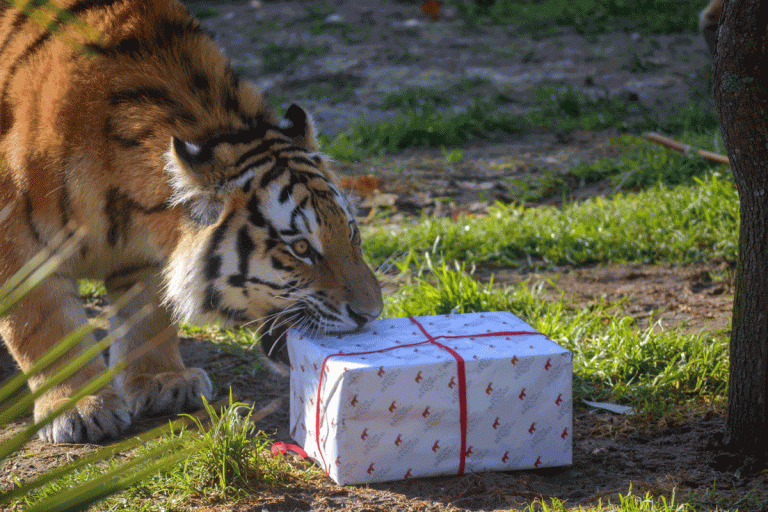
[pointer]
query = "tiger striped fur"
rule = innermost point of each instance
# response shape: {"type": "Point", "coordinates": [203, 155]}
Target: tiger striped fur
{"type": "Point", "coordinates": [131, 123]}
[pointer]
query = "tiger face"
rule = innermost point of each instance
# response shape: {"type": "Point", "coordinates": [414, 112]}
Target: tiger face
{"type": "Point", "coordinates": [137, 131]}
{"type": "Point", "coordinates": [283, 247]}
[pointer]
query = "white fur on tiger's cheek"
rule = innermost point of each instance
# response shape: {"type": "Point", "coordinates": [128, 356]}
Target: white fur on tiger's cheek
{"type": "Point", "coordinates": [281, 215]}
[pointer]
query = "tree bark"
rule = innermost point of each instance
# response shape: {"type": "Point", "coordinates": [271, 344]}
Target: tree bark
{"type": "Point", "coordinates": [741, 95]}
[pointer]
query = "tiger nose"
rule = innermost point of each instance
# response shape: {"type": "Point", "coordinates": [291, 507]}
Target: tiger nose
{"type": "Point", "coordinates": [361, 318]}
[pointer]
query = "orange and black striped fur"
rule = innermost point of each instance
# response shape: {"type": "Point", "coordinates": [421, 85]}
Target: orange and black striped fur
{"type": "Point", "coordinates": [131, 124]}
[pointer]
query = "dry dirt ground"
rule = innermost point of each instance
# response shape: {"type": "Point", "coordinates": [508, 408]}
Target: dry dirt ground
{"type": "Point", "coordinates": [369, 50]}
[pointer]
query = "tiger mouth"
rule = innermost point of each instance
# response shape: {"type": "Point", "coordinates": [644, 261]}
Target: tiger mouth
{"type": "Point", "coordinates": [273, 333]}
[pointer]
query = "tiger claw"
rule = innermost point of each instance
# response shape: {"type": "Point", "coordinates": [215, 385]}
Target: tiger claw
{"type": "Point", "coordinates": [167, 393]}
{"type": "Point", "coordinates": [94, 418]}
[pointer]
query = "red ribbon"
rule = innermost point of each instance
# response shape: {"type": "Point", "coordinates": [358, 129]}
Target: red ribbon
{"type": "Point", "coordinates": [462, 390]}
{"type": "Point", "coordinates": [281, 447]}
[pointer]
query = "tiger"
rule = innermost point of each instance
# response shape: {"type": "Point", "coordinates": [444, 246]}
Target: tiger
{"type": "Point", "coordinates": [123, 120]}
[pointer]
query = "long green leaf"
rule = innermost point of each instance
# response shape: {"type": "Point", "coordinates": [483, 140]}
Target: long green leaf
{"type": "Point", "coordinates": [68, 342]}
{"type": "Point", "coordinates": [197, 419]}
{"type": "Point", "coordinates": [20, 379]}
{"type": "Point", "coordinates": [97, 456]}
{"type": "Point", "coordinates": [84, 495]}
{"type": "Point", "coordinates": [39, 268]}
{"type": "Point", "coordinates": [25, 402]}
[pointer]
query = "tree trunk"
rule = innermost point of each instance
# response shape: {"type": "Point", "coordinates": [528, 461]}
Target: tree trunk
{"type": "Point", "coordinates": [741, 96]}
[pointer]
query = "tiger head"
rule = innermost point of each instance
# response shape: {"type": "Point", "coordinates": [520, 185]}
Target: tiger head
{"type": "Point", "coordinates": [270, 240]}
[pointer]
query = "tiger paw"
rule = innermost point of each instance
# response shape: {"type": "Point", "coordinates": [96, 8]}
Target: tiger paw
{"type": "Point", "coordinates": [167, 393]}
{"type": "Point", "coordinates": [94, 418]}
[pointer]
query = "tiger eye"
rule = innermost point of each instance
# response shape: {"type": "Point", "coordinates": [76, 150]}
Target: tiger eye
{"type": "Point", "coordinates": [300, 247]}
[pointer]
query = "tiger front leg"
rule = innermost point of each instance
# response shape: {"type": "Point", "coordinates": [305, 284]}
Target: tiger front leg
{"type": "Point", "coordinates": [31, 329]}
{"type": "Point", "coordinates": [157, 382]}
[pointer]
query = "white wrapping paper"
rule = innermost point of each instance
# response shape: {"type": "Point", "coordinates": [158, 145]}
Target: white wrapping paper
{"type": "Point", "coordinates": [426, 396]}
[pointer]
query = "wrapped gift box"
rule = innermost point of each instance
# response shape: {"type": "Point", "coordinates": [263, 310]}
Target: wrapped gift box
{"type": "Point", "coordinates": [436, 395]}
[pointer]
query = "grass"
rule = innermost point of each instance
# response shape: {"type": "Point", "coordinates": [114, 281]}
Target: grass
{"type": "Point", "coordinates": [225, 457]}
{"type": "Point", "coordinates": [202, 13]}
{"type": "Point", "coordinates": [643, 164]}
{"type": "Point", "coordinates": [437, 117]}
{"type": "Point", "coordinates": [432, 97]}
{"type": "Point", "coordinates": [564, 109]}
{"type": "Point", "coordinates": [629, 502]}
{"type": "Point", "coordinates": [585, 16]}
{"type": "Point", "coordinates": [279, 58]}
{"type": "Point", "coordinates": [681, 224]}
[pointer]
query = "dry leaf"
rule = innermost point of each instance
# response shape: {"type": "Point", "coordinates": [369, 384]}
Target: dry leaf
{"type": "Point", "coordinates": [431, 9]}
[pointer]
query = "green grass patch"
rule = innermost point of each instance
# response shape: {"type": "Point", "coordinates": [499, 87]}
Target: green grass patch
{"type": "Point", "coordinates": [278, 57]}
{"type": "Point", "coordinates": [586, 16]}
{"type": "Point", "coordinates": [652, 369]}
{"type": "Point", "coordinates": [680, 224]}
{"type": "Point", "coordinates": [206, 12]}
{"type": "Point", "coordinates": [424, 127]}
{"type": "Point", "coordinates": [629, 502]}
{"type": "Point", "coordinates": [565, 109]}
{"type": "Point", "coordinates": [431, 97]}
{"type": "Point", "coordinates": [436, 117]}
{"type": "Point", "coordinates": [642, 164]}
{"type": "Point", "coordinates": [226, 458]}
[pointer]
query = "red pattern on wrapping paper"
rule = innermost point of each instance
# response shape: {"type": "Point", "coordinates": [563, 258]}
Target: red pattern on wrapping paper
{"type": "Point", "coordinates": [460, 370]}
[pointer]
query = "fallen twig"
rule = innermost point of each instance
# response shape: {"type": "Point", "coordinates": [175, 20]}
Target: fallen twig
{"type": "Point", "coordinates": [685, 148]}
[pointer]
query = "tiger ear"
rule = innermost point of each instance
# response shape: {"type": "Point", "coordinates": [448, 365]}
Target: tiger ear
{"type": "Point", "coordinates": [192, 154]}
{"type": "Point", "coordinates": [298, 124]}
{"type": "Point", "coordinates": [185, 166]}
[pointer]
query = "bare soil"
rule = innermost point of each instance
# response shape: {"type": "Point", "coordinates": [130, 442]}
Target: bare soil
{"type": "Point", "coordinates": [370, 49]}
